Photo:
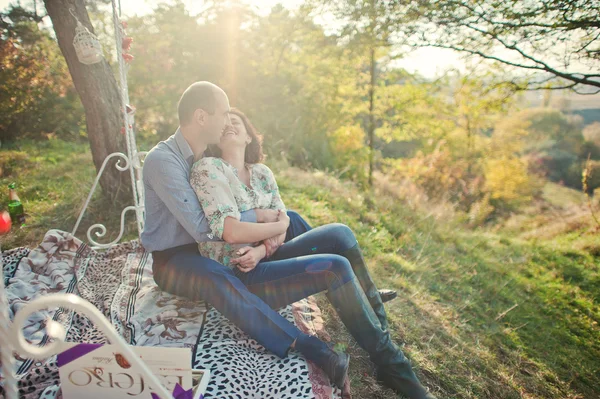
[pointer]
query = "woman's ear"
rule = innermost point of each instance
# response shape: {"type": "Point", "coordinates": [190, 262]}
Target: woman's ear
{"type": "Point", "coordinates": [248, 140]}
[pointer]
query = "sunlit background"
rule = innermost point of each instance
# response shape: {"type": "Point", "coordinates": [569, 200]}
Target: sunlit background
{"type": "Point", "coordinates": [428, 62]}
{"type": "Point", "coordinates": [472, 183]}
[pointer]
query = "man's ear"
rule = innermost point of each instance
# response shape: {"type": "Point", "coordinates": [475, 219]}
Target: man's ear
{"type": "Point", "coordinates": [200, 116]}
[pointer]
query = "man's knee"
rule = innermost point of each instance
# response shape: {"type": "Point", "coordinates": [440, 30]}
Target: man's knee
{"type": "Point", "coordinates": [336, 268]}
{"type": "Point", "coordinates": [293, 215]}
{"type": "Point", "coordinates": [342, 269]}
{"type": "Point", "coordinates": [297, 221]}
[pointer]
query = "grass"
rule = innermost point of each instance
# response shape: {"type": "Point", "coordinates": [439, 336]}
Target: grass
{"type": "Point", "coordinates": [510, 312]}
{"type": "Point", "coordinates": [482, 314]}
{"type": "Point", "coordinates": [53, 179]}
{"type": "Point", "coordinates": [562, 196]}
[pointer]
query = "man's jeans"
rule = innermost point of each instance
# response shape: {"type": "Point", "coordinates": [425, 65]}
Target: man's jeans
{"type": "Point", "coordinates": [248, 299]}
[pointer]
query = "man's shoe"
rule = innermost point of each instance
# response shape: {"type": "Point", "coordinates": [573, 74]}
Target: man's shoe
{"type": "Point", "coordinates": [334, 364]}
{"type": "Point", "coordinates": [387, 295]}
{"type": "Point", "coordinates": [336, 368]}
{"type": "Point", "coordinates": [390, 380]}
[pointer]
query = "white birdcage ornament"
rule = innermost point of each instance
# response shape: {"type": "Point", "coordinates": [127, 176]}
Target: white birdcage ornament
{"type": "Point", "coordinates": [87, 46]}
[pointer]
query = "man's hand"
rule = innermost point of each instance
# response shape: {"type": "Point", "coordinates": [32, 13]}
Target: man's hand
{"type": "Point", "coordinates": [272, 244]}
{"type": "Point", "coordinates": [249, 258]}
{"type": "Point", "coordinates": [266, 215]}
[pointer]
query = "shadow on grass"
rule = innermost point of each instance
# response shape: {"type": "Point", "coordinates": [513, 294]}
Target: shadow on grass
{"type": "Point", "coordinates": [547, 346]}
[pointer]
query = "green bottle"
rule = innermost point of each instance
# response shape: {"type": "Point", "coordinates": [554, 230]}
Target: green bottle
{"type": "Point", "coordinates": [15, 207]}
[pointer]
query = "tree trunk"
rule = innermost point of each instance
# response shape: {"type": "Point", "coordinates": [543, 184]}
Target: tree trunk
{"type": "Point", "coordinates": [469, 145]}
{"type": "Point", "coordinates": [371, 130]}
{"type": "Point", "coordinates": [99, 94]}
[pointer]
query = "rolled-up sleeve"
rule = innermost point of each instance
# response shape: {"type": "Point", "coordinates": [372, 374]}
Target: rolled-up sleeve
{"type": "Point", "coordinates": [214, 192]}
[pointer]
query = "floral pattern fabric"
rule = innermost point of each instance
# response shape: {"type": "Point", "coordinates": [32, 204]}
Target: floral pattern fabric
{"type": "Point", "coordinates": [222, 194]}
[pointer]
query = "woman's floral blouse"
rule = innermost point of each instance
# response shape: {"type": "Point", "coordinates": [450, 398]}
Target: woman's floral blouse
{"type": "Point", "coordinates": [222, 194]}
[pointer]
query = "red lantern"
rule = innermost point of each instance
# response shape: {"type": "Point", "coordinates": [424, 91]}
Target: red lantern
{"type": "Point", "coordinates": [5, 223]}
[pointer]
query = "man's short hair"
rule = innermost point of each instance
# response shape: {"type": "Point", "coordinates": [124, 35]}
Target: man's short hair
{"type": "Point", "coordinates": [200, 95]}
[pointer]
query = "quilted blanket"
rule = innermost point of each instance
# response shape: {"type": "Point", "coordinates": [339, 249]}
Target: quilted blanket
{"type": "Point", "coordinates": [119, 282]}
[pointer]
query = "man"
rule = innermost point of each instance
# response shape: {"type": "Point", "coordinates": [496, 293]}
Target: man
{"type": "Point", "coordinates": [174, 223]}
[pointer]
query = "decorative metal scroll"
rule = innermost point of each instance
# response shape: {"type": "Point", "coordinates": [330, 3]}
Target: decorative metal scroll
{"type": "Point", "coordinates": [98, 229]}
{"type": "Point", "coordinates": [16, 338]}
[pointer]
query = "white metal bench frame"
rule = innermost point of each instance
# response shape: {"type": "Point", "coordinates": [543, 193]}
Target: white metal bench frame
{"type": "Point", "coordinates": [12, 338]}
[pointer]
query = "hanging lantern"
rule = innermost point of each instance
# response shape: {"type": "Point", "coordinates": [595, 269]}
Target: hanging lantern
{"type": "Point", "coordinates": [87, 46]}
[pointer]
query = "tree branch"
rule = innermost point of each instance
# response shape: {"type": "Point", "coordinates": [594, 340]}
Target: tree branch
{"type": "Point", "coordinates": [570, 25]}
{"type": "Point", "coordinates": [534, 32]}
{"type": "Point", "coordinates": [585, 80]}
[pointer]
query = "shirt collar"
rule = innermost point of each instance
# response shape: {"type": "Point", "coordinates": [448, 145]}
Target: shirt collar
{"type": "Point", "coordinates": [184, 147]}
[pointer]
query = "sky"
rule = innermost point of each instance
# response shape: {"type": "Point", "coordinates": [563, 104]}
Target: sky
{"type": "Point", "coordinates": [428, 62]}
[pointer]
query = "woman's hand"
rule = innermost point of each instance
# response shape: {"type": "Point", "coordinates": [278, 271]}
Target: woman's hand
{"type": "Point", "coordinates": [282, 216]}
{"type": "Point", "coordinates": [273, 243]}
{"type": "Point", "coordinates": [249, 257]}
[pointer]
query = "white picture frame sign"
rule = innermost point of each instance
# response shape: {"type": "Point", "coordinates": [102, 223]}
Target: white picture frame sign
{"type": "Point", "coordinates": [96, 371]}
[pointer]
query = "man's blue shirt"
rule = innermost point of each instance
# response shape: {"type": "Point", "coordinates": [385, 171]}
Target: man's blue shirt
{"type": "Point", "coordinates": [173, 215]}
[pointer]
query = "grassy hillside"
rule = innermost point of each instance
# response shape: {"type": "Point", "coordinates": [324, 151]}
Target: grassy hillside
{"type": "Point", "coordinates": [482, 315]}
{"type": "Point", "coordinates": [509, 313]}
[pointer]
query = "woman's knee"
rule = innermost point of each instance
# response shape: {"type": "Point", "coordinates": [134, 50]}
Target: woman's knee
{"type": "Point", "coordinates": [343, 235]}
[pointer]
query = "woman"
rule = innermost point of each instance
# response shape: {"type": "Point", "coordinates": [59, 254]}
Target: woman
{"type": "Point", "coordinates": [326, 258]}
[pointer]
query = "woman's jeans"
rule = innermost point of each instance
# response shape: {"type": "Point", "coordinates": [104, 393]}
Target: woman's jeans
{"type": "Point", "coordinates": [248, 299]}
{"type": "Point", "coordinates": [303, 266]}
{"type": "Point", "coordinates": [307, 264]}
{"type": "Point", "coordinates": [339, 240]}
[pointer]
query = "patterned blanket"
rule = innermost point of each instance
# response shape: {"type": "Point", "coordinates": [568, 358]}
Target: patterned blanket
{"type": "Point", "coordinates": [119, 282]}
